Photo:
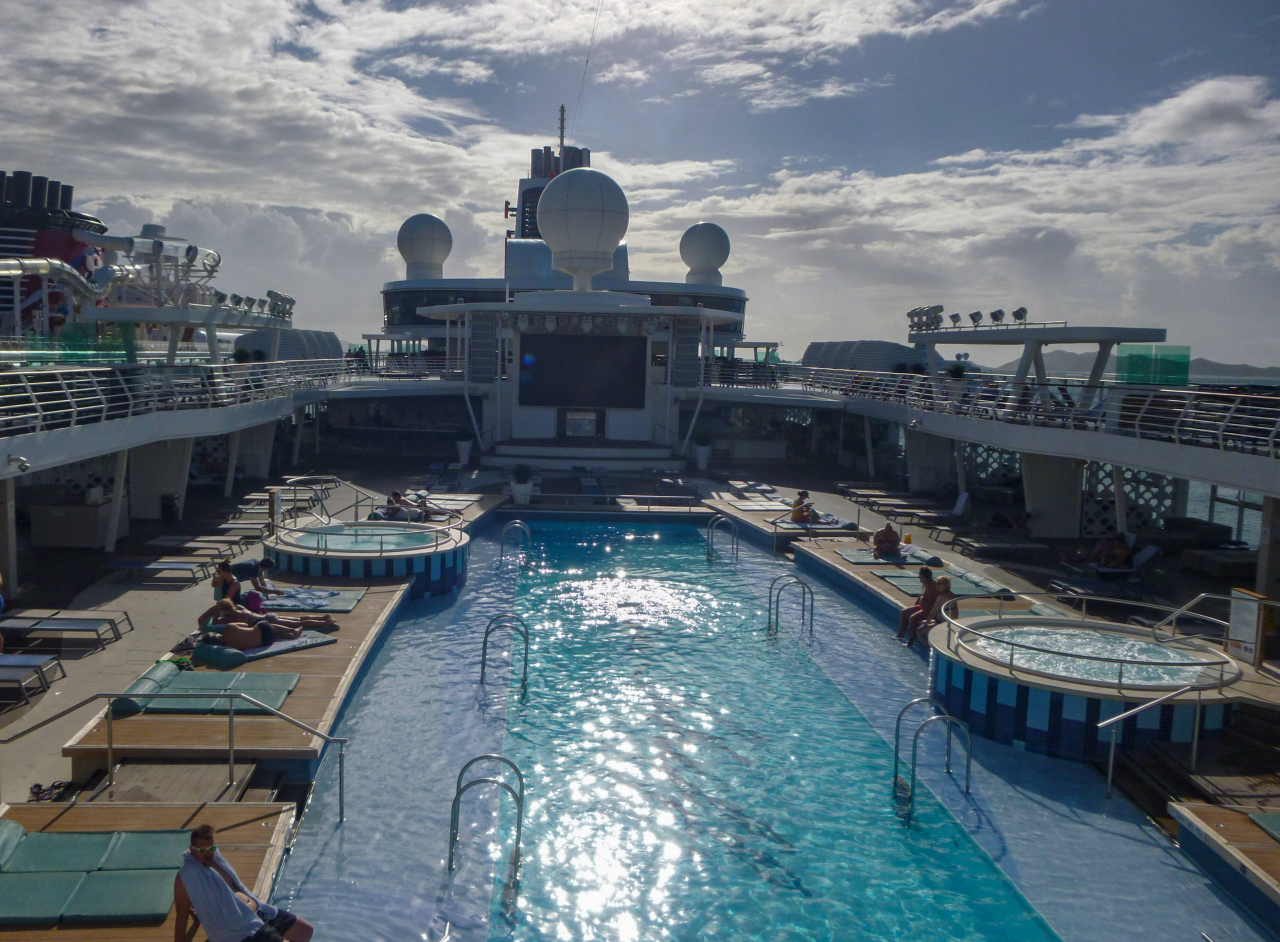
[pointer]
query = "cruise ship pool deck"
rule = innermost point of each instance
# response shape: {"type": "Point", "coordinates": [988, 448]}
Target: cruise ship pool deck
{"type": "Point", "coordinates": [688, 774]}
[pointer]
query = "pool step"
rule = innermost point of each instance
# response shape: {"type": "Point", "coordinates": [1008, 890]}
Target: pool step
{"type": "Point", "coordinates": [1144, 778]}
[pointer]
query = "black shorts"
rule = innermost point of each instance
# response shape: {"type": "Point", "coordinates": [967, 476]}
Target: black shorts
{"type": "Point", "coordinates": [283, 922]}
{"type": "Point", "coordinates": [268, 633]}
{"type": "Point", "coordinates": [274, 929]}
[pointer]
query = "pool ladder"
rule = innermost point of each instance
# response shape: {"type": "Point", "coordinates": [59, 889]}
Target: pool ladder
{"type": "Point", "coordinates": [519, 627]}
{"type": "Point", "coordinates": [462, 789]}
{"type": "Point", "coordinates": [943, 717]}
{"type": "Point", "coordinates": [712, 526]}
{"type": "Point", "coordinates": [523, 536]}
{"type": "Point", "coordinates": [775, 601]}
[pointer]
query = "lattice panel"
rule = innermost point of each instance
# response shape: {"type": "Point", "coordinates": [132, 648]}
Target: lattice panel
{"type": "Point", "coordinates": [1149, 498]}
{"type": "Point", "coordinates": [984, 464]}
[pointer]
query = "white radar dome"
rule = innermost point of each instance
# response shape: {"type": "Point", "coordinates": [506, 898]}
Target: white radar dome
{"type": "Point", "coordinates": [582, 216]}
{"type": "Point", "coordinates": [704, 248]}
{"type": "Point", "coordinates": [424, 242]}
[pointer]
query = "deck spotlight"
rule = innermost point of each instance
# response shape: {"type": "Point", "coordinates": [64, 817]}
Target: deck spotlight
{"type": "Point", "coordinates": [219, 298]}
{"type": "Point", "coordinates": [23, 464]}
{"type": "Point", "coordinates": [249, 303]}
{"type": "Point", "coordinates": [236, 300]}
{"type": "Point", "coordinates": [262, 304]}
{"type": "Point", "coordinates": [1020, 315]}
{"type": "Point", "coordinates": [955, 320]}
{"type": "Point", "coordinates": [996, 316]}
{"type": "Point", "coordinates": [976, 317]}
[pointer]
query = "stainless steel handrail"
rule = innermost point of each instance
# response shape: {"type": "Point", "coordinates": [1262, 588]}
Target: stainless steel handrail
{"type": "Point", "coordinates": [1186, 610]}
{"type": "Point", "coordinates": [523, 533]}
{"type": "Point", "coordinates": [463, 789]}
{"type": "Point", "coordinates": [915, 746]}
{"type": "Point", "coordinates": [897, 727]}
{"type": "Point", "coordinates": [712, 526]}
{"type": "Point", "coordinates": [775, 601]}
{"type": "Point", "coordinates": [1115, 720]}
{"type": "Point", "coordinates": [518, 626]}
{"type": "Point", "coordinates": [231, 731]}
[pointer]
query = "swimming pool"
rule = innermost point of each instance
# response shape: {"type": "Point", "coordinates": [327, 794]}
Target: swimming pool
{"type": "Point", "coordinates": [688, 776]}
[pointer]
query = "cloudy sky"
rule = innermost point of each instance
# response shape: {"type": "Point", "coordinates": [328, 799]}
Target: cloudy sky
{"type": "Point", "coordinates": [1113, 161]}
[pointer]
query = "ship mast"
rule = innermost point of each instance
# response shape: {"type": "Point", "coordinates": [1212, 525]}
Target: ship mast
{"type": "Point", "coordinates": [561, 153]}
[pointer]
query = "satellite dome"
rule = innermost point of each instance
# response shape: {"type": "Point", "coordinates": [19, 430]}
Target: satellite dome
{"type": "Point", "coordinates": [424, 242]}
{"type": "Point", "coordinates": [704, 248]}
{"type": "Point", "coordinates": [582, 216]}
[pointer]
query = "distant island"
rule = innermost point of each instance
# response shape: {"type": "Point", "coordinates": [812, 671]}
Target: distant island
{"type": "Point", "coordinates": [1064, 361]}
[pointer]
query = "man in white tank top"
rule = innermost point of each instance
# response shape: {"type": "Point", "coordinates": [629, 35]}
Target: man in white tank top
{"type": "Point", "coordinates": [207, 888]}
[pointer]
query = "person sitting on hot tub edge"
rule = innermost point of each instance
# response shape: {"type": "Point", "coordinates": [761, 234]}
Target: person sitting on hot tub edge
{"type": "Point", "coordinates": [255, 571]}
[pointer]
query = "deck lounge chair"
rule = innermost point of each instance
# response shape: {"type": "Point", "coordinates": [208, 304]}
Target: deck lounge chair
{"type": "Point", "coordinates": [42, 664]}
{"type": "Point", "coordinates": [1141, 560]}
{"type": "Point", "coordinates": [94, 626]}
{"type": "Point", "coordinates": [197, 569]}
{"type": "Point", "coordinates": [930, 518]}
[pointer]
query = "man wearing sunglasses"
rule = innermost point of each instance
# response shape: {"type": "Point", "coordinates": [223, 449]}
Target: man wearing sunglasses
{"type": "Point", "coordinates": [208, 889]}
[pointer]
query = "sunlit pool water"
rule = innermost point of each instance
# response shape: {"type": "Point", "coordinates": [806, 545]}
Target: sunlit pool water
{"type": "Point", "coordinates": [1093, 644]}
{"type": "Point", "coordinates": [688, 776]}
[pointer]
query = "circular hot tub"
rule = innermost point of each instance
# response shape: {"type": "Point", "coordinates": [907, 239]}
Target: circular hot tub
{"type": "Point", "coordinates": [434, 555]}
{"type": "Point", "coordinates": [1043, 683]}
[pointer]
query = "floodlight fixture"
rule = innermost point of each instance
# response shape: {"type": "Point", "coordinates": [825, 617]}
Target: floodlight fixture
{"type": "Point", "coordinates": [976, 318]}
{"type": "Point", "coordinates": [219, 298]}
{"type": "Point", "coordinates": [955, 320]}
{"type": "Point", "coordinates": [236, 300]}
{"type": "Point", "coordinates": [996, 316]}
{"type": "Point", "coordinates": [1020, 315]}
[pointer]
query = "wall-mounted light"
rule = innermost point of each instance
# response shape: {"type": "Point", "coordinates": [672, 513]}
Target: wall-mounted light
{"type": "Point", "coordinates": [23, 464]}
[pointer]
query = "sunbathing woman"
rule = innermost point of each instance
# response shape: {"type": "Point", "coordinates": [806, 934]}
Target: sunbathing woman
{"type": "Point", "coordinates": [911, 617]}
{"type": "Point", "coordinates": [935, 617]}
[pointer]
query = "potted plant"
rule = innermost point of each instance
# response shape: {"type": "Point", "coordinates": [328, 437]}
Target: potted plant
{"type": "Point", "coordinates": [955, 381]}
{"type": "Point", "coordinates": [463, 441]}
{"type": "Point", "coordinates": [701, 449]}
{"type": "Point", "coordinates": [522, 485]}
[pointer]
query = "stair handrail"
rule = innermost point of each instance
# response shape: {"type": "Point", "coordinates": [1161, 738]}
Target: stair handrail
{"type": "Point", "coordinates": [915, 745]}
{"type": "Point", "coordinates": [1121, 717]}
{"type": "Point", "coordinates": [1186, 609]}
{"type": "Point", "coordinates": [522, 532]}
{"type": "Point", "coordinates": [712, 526]}
{"type": "Point", "coordinates": [461, 790]}
{"type": "Point", "coordinates": [897, 727]}
{"type": "Point", "coordinates": [775, 601]}
{"type": "Point", "coordinates": [518, 626]}
{"type": "Point", "coordinates": [232, 696]}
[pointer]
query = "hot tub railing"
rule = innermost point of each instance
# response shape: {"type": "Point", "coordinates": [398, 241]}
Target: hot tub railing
{"type": "Point", "coordinates": [959, 635]}
{"type": "Point", "coordinates": [1115, 721]}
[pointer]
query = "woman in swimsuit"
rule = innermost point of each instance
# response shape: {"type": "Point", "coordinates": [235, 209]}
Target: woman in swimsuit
{"type": "Point", "coordinates": [242, 629]}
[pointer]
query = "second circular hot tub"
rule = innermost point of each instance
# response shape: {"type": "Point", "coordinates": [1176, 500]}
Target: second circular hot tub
{"type": "Point", "coordinates": [435, 556]}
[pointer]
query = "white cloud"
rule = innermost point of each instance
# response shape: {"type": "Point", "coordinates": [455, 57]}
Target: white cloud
{"type": "Point", "coordinates": [624, 73]}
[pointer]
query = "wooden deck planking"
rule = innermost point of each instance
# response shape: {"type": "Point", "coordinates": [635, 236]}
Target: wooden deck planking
{"type": "Point", "coordinates": [251, 836]}
{"type": "Point", "coordinates": [327, 674]}
{"type": "Point", "coordinates": [176, 780]}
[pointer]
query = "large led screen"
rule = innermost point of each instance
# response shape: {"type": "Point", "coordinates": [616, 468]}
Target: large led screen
{"type": "Point", "coordinates": [578, 370]}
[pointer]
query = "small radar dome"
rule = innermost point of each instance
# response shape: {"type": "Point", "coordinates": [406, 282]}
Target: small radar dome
{"type": "Point", "coordinates": [424, 242]}
{"type": "Point", "coordinates": [704, 248]}
{"type": "Point", "coordinates": [582, 216]}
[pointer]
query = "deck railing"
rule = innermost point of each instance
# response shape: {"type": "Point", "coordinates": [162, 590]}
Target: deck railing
{"type": "Point", "coordinates": [1224, 419]}
{"type": "Point", "coordinates": [43, 400]}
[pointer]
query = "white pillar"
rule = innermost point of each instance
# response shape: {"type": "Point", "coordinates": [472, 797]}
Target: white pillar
{"type": "Point", "coordinates": [117, 501]}
{"type": "Point", "coordinates": [175, 335]}
{"type": "Point", "coordinates": [8, 537]}
{"type": "Point", "coordinates": [1121, 499]}
{"type": "Point", "coordinates": [233, 455]}
{"type": "Point", "coordinates": [1268, 583]}
{"type": "Point", "coordinates": [298, 416]}
{"type": "Point", "coordinates": [157, 469]}
{"type": "Point", "coordinates": [927, 459]}
{"type": "Point", "coordinates": [866, 435]}
{"type": "Point", "coordinates": [274, 354]}
{"type": "Point", "coordinates": [1054, 491]}
{"type": "Point", "coordinates": [960, 475]}
{"type": "Point", "coordinates": [211, 337]}
{"type": "Point", "coordinates": [255, 450]}
{"type": "Point", "coordinates": [1097, 371]}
